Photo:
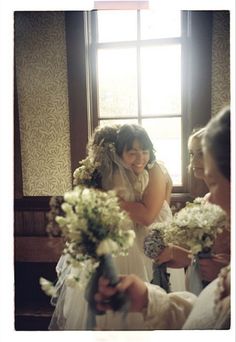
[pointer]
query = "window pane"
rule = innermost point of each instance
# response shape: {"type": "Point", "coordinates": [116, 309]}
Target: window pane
{"type": "Point", "coordinates": [117, 81]}
{"type": "Point", "coordinates": [166, 138]}
{"type": "Point", "coordinates": [117, 26]}
{"type": "Point", "coordinates": [160, 24]}
{"type": "Point", "coordinates": [161, 79]}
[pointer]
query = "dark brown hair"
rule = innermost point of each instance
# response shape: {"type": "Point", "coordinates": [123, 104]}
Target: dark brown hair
{"type": "Point", "coordinates": [126, 136]}
{"type": "Point", "coordinates": [217, 140]}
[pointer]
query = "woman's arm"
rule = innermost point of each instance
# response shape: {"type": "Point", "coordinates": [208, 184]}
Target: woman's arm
{"type": "Point", "coordinates": [146, 211]}
{"type": "Point", "coordinates": [210, 268]}
{"type": "Point", "coordinates": [175, 257]}
{"type": "Point", "coordinates": [160, 310]}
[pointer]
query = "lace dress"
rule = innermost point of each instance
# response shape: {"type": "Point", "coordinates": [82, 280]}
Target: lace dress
{"type": "Point", "coordinates": [212, 308]}
{"type": "Point", "coordinates": [71, 307]}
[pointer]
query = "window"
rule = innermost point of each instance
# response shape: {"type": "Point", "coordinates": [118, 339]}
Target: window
{"type": "Point", "coordinates": [137, 66]}
{"type": "Point", "coordinates": [115, 79]}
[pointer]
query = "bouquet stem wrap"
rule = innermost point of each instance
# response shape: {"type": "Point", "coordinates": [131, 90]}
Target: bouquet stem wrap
{"type": "Point", "coordinates": [119, 301]}
{"type": "Point", "coordinates": [154, 244]}
{"type": "Point", "coordinates": [161, 277]}
{"type": "Point", "coordinates": [195, 283]}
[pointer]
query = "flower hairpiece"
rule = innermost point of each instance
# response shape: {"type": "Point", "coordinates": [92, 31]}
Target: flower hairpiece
{"type": "Point", "coordinates": [84, 174]}
{"type": "Point", "coordinates": [91, 168]}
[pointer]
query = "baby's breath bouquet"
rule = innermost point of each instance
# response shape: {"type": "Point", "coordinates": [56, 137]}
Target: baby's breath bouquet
{"type": "Point", "coordinates": [194, 227]}
{"type": "Point", "coordinates": [95, 229]}
{"type": "Point", "coordinates": [93, 225]}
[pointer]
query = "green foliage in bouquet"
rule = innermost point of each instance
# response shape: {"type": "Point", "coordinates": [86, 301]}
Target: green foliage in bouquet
{"type": "Point", "coordinates": [93, 225]}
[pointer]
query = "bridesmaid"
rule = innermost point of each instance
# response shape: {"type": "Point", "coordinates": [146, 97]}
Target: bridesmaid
{"type": "Point", "coordinates": [177, 256]}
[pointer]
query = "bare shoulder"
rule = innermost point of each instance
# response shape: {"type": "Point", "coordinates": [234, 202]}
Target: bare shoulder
{"type": "Point", "coordinates": [156, 172]}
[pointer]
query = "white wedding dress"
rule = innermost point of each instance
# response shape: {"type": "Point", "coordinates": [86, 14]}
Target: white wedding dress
{"type": "Point", "coordinates": [71, 307]}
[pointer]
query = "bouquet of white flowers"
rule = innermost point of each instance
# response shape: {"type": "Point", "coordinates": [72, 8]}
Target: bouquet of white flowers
{"type": "Point", "coordinates": [95, 229]}
{"type": "Point", "coordinates": [94, 224]}
{"type": "Point", "coordinates": [87, 174]}
{"type": "Point", "coordinates": [194, 227]}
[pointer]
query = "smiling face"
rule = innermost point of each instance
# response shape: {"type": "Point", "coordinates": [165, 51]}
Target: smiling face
{"type": "Point", "coordinates": [196, 157]}
{"type": "Point", "coordinates": [136, 158]}
{"type": "Point", "coordinates": [219, 186]}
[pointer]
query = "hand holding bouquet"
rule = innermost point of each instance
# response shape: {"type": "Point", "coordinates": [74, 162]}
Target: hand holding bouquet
{"type": "Point", "coordinates": [94, 228]}
{"type": "Point", "coordinates": [195, 227]}
{"type": "Point", "coordinates": [154, 244]}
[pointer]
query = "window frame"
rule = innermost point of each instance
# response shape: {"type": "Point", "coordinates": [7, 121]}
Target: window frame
{"type": "Point", "coordinates": [195, 26]}
{"type": "Point", "coordinates": [93, 67]}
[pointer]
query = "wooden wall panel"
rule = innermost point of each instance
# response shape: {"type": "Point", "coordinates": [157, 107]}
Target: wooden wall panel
{"type": "Point", "coordinates": [40, 223]}
{"type": "Point", "coordinates": [38, 249]}
{"type": "Point", "coordinates": [31, 216]}
{"type": "Point", "coordinates": [18, 222]}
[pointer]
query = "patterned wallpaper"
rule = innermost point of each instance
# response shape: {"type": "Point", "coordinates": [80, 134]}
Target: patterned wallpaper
{"type": "Point", "coordinates": [43, 96]}
{"type": "Point", "coordinates": [220, 61]}
{"type": "Point", "coordinates": [41, 74]}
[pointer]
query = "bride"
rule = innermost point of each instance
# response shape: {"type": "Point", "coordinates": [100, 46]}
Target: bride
{"type": "Point", "coordinates": [121, 158]}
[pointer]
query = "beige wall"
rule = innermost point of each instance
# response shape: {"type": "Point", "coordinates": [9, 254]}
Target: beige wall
{"type": "Point", "coordinates": [41, 73]}
{"type": "Point", "coordinates": [43, 96]}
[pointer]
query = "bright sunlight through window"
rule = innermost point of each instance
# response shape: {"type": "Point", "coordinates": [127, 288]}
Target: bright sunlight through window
{"type": "Point", "coordinates": [139, 77]}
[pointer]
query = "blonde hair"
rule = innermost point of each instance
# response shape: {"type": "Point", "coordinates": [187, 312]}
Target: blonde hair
{"type": "Point", "coordinates": [197, 133]}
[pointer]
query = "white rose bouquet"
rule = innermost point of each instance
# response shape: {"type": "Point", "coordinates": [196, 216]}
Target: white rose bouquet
{"type": "Point", "coordinates": [95, 229]}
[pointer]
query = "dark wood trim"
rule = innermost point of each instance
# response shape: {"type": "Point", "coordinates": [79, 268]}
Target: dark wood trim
{"type": "Point", "coordinates": [77, 84]}
{"type": "Point", "coordinates": [32, 203]}
{"type": "Point", "coordinates": [41, 203]}
{"type": "Point", "coordinates": [181, 197]}
{"type": "Point", "coordinates": [196, 78]}
{"type": "Point", "coordinates": [200, 67]}
{"type": "Point", "coordinates": [93, 67]}
{"type": "Point", "coordinates": [185, 130]}
{"type": "Point", "coordinates": [18, 182]}
{"type": "Point", "coordinates": [37, 249]}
